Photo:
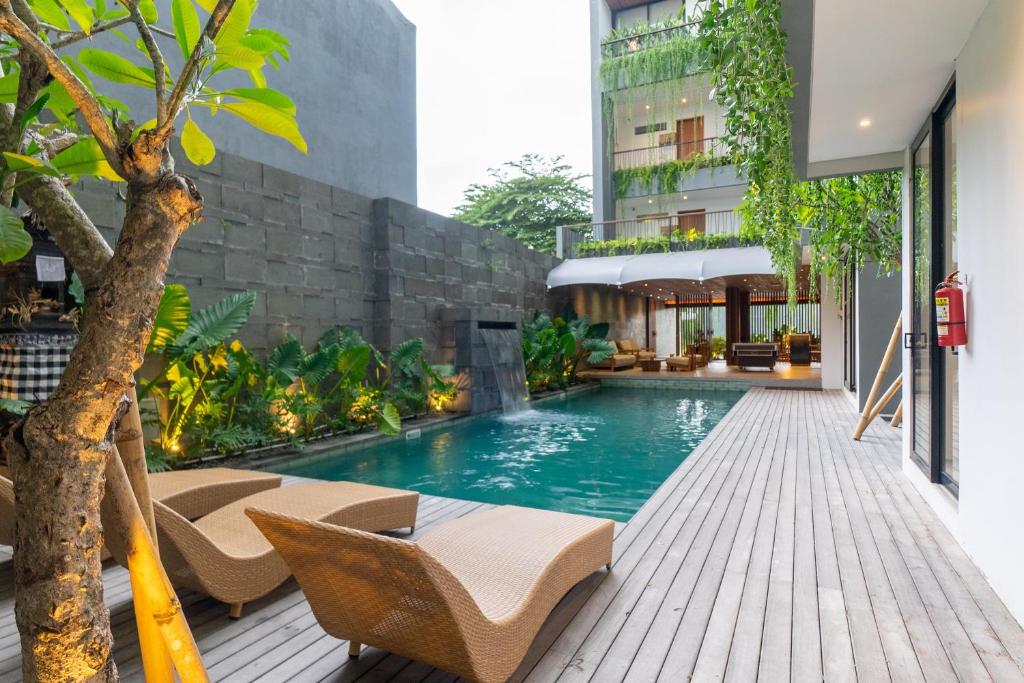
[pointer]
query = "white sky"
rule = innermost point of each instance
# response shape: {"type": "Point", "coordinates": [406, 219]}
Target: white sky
{"type": "Point", "coordinates": [497, 79]}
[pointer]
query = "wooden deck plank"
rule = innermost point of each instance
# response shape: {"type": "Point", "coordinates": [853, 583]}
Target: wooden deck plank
{"type": "Point", "coordinates": [779, 549]}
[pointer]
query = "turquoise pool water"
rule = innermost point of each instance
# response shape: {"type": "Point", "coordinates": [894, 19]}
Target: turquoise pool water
{"type": "Point", "coordinates": [600, 453]}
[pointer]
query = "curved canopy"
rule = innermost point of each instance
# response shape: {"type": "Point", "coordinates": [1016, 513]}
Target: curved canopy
{"type": "Point", "coordinates": [697, 266]}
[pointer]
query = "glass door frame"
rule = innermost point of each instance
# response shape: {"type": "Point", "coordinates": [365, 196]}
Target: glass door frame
{"type": "Point", "coordinates": [933, 130]}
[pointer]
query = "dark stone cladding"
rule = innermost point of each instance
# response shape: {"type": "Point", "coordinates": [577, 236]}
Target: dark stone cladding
{"type": "Point", "coordinates": [319, 256]}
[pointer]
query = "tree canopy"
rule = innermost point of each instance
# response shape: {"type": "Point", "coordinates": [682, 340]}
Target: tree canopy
{"type": "Point", "coordinates": [528, 199]}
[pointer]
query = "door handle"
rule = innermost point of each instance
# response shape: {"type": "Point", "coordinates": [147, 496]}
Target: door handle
{"type": "Point", "coordinates": [908, 340]}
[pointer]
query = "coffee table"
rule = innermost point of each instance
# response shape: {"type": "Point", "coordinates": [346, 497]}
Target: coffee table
{"type": "Point", "coordinates": [652, 365]}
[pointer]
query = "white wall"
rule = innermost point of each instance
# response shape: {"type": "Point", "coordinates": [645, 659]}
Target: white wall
{"type": "Point", "coordinates": [831, 339]}
{"type": "Point", "coordinates": [990, 212]}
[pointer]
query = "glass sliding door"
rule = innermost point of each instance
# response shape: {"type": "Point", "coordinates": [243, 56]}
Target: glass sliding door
{"type": "Point", "coordinates": [920, 336]}
{"type": "Point", "coordinates": [950, 471]}
{"type": "Point", "coordinates": [934, 372]}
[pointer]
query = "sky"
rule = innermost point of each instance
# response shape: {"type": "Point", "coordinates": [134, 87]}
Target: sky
{"type": "Point", "coordinates": [496, 80]}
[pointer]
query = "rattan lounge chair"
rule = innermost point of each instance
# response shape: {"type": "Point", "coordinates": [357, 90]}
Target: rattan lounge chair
{"type": "Point", "coordinates": [467, 597]}
{"type": "Point", "coordinates": [224, 555]}
{"type": "Point", "coordinates": [190, 493]}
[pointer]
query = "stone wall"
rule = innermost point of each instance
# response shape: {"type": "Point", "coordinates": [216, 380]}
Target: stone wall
{"type": "Point", "coordinates": [319, 256]}
{"type": "Point", "coordinates": [623, 311]}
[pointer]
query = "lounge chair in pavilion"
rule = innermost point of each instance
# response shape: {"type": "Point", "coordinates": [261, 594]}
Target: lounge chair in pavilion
{"type": "Point", "coordinates": [680, 363]}
{"type": "Point", "coordinates": [467, 597]}
{"type": "Point", "coordinates": [190, 493]}
{"type": "Point", "coordinates": [630, 346]}
{"type": "Point", "coordinates": [225, 556]}
{"type": "Point", "coordinates": [617, 361]}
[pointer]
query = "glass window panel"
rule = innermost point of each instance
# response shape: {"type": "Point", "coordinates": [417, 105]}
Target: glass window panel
{"type": "Point", "coordinates": [922, 305]}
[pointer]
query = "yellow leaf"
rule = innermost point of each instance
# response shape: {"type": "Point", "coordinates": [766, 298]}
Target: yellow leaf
{"type": "Point", "coordinates": [269, 120]}
{"type": "Point", "coordinates": [198, 147]}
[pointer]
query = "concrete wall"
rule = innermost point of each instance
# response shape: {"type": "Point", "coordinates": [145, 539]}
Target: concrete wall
{"type": "Point", "coordinates": [352, 76]}
{"type": "Point", "coordinates": [990, 97]}
{"type": "Point", "coordinates": [319, 256]}
{"type": "Point", "coordinates": [831, 339]}
{"type": "Point", "coordinates": [879, 302]}
{"type": "Point", "coordinates": [623, 311]}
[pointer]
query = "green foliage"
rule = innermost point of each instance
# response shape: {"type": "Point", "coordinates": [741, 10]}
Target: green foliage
{"type": "Point", "coordinates": [527, 199]}
{"type": "Point", "coordinates": [15, 242]}
{"type": "Point", "coordinates": [665, 177]}
{"type": "Point", "coordinates": [658, 56]}
{"type": "Point", "coordinates": [554, 347]}
{"type": "Point", "coordinates": [676, 241]}
{"type": "Point", "coordinates": [754, 85]}
{"type": "Point", "coordinates": [853, 220]}
{"type": "Point", "coordinates": [219, 397]}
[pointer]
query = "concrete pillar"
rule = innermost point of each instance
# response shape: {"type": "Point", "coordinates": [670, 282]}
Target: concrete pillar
{"type": "Point", "coordinates": [831, 339]}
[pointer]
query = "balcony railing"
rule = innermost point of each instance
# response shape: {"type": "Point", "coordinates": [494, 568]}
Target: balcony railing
{"type": "Point", "coordinates": [616, 47]}
{"type": "Point", "coordinates": [680, 232]}
{"type": "Point", "coordinates": [686, 150]}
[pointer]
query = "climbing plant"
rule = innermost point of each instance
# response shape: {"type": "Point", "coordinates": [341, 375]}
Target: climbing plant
{"type": "Point", "coordinates": [666, 176]}
{"type": "Point", "coordinates": [853, 220]}
{"type": "Point", "coordinates": [746, 48]}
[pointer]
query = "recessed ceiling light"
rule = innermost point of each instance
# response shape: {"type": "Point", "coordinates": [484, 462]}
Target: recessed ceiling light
{"type": "Point", "coordinates": [865, 122]}
{"type": "Point", "coordinates": [683, 100]}
{"type": "Point", "coordinates": [647, 106]}
{"type": "Point", "coordinates": [650, 201]}
{"type": "Point", "coordinates": [685, 197]}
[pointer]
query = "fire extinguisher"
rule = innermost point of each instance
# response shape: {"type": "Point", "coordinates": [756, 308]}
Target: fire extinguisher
{"type": "Point", "coordinates": [949, 312]}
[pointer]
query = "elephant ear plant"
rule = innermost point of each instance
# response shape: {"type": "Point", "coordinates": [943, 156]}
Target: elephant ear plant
{"type": "Point", "coordinates": [553, 348]}
{"type": "Point", "coordinates": [58, 121]}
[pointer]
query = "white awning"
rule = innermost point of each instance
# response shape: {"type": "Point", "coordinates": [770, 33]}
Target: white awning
{"type": "Point", "coordinates": [686, 265]}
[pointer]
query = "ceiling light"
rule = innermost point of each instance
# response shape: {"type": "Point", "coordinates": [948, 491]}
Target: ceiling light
{"type": "Point", "coordinates": [683, 100]}
{"type": "Point", "coordinates": [685, 197]}
{"type": "Point", "coordinates": [864, 123]}
{"type": "Point", "coordinates": [650, 201]}
{"type": "Point", "coordinates": [647, 106]}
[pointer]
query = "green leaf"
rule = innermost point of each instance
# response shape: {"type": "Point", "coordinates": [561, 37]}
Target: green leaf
{"type": "Point", "coordinates": [389, 422]}
{"type": "Point", "coordinates": [77, 290]}
{"type": "Point", "coordinates": [84, 158]}
{"type": "Point", "coordinates": [81, 13]}
{"type": "Point", "coordinates": [407, 355]}
{"type": "Point", "coordinates": [33, 110]}
{"type": "Point", "coordinates": [172, 317]}
{"type": "Point", "coordinates": [147, 8]}
{"type": "Point", "coordinates": [285, 361]}
{"type": "Point", "coordinates": [14, 406]}
{"type": "Point", "coordinates": [186, 25]}
{"type": "Point", "coordinates": [268, 96]}
{"type": "Point", "coordinates": [269, 120]}
{"type": "Point", "coordinates": [15, 242]}
{"type": "Point", "coordinates": [318, 365]}
{"type": "Point", "coordinates": [9, 86]}
{"type": "Point", "coordinates": [22, 163]}
{"type": "Point", "coordinates": [216, 323]}
{"type": "Point", "coordinates": [51, 13]}
{"type": "Point", "coordinates": [198, 147]}
{"type": "Point", "coordinates": [240, 57]}
{"type": "Point", "coordinates": [115, 68]}
{"type": "Point", "coordinates": [237, 23]}
{"type": "Point", "coordinates": [353, 363]}
{"type": "Point", "coordinates": [567, 342]}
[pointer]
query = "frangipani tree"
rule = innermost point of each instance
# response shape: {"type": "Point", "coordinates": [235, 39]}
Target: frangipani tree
{"type": "Point", "coordinates": [59, 120]}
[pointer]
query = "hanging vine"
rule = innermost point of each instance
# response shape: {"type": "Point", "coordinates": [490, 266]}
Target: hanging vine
{"type": "Point", "coordinates": [752, 82]}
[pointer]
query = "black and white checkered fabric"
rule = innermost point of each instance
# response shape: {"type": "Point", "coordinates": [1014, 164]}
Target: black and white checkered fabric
{"type": "Point", "coordinates": [31, 364]}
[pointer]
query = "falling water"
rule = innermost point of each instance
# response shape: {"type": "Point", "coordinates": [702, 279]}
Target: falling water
{"type": "Point", "coordinates": [506, 352]}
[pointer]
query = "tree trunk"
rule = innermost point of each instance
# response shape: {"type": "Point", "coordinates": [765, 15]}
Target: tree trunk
{"type": "Point", "coordinates": [59, 453]}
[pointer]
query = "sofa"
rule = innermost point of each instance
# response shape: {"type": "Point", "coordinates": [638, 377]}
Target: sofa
{"type": "Point", "coordinates": [617, 361]}
{"type": "Point", "coordinates": [630, 346]}
{"type": "Point", "coordinates": [755, 355]}
{"type": "Point", "coordinates": [679, 363]}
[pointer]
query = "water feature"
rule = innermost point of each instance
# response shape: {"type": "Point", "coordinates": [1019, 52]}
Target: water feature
{"type": "Point", "coordinates": [504, 346]}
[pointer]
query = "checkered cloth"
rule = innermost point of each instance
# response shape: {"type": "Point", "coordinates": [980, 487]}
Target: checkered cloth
{"type": "Point", "coordinates": [31, 364]}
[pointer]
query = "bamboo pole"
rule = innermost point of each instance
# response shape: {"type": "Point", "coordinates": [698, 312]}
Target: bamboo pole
{"type": "Point", "coordinates": [156, 664]}
{"type": "Point", "coordinates": [897, 417]}
{"type": "Point", "coordinates": [869, 405]}
{"type": "Point", "coordinates": [889, 394]}
{"type": "Point", "coordinates": [161, 605]}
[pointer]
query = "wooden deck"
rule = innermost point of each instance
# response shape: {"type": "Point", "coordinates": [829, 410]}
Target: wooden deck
{"type": "Point", "coordinates": [784, 376]}
{"type": "Point", "coordinates": [780, 550]}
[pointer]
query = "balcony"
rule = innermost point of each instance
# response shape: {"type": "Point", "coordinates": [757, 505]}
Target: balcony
{"type": "Point", "coordinates": [643, 36]}
{"type": "Point", "coordinates": [662, 234]}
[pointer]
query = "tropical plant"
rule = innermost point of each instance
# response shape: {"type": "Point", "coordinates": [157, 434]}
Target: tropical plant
{"type": "Point", "coordinates": [675, 241]}
{"type": "Point", "coordinates": [553, 348]}
{"type": "Point", "coordinates": [666, 177]}
{"type": "Point", "coordinates": [528, 199]}
{"type": "Point", "coordinates": [58, 123]}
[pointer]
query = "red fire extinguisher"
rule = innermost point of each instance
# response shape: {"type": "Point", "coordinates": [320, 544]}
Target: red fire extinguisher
{"type": "Point", "coordinates": [949, 312]}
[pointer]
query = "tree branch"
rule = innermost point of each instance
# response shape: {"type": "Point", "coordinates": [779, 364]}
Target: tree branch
{"type": "Point", "coordinates": [155, 56]}
{"type": "Point", "coordinates": [88, 105]}
{"type": "Point", "coordinates": [76, 36]}
{"type": "Point", "coordinates": [192, 65]}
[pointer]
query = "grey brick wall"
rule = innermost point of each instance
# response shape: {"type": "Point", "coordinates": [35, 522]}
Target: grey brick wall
{"type": "Point", "coordinates": [319, 256]}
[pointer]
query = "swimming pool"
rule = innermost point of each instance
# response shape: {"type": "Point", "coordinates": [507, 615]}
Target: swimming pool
{"type": "Point", "coordinates": [599, 453]}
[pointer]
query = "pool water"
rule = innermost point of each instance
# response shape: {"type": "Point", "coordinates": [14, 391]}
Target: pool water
{"type": "Point", "coordinates": [599, 453]}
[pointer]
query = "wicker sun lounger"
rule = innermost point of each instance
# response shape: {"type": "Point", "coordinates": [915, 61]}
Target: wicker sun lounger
{"type": "Point", "coordinates": [467, 597]}
{"type": "Point", "coordinates": [226, 557]}
{"type": "Point", "coordinates": [190, 493]}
